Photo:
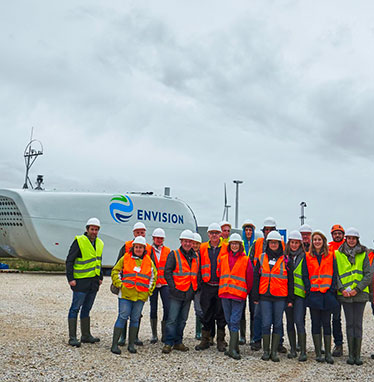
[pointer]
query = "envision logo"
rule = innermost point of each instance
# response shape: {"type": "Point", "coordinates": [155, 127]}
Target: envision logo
{"type": "Point", "coordinates": [121, 208]}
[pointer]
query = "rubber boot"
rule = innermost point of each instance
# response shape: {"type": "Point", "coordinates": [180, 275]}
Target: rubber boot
{"type": "Point", "coordinates": [122, 340]}
{"type": "Point", "coordinates": [242, 339]}
{"type": "Point", "coordinates": [73, 340]}
{"type": "Point", "coordinates": [137, 340]}
{"type": "Point", "coordinates": [302, 342]}
{"type": "Point", "coordinates": [198, 328]}
{"type": "Point", "coordinates": [274, 347]}
{"type": "Point", "coordinates": [163, 324]}
{"type": "Point", "coordinates": [221, 343]}
{"type": "Point", "coordinates": [133, 332]}
{"type": "Point", "coordinates": [357, 350]}
{"type": "Point", "coordinates": [154, 338]}
{"type": "Point", "coordinates": [87, 337]}
{"type": "Point", "coordinates": [292, 339]}
{"type": "Point", "coordinates": [233, 344]}
{"type": "Point", "coordinates": [116, 335]}
{"type": "Point", "coordinates": [328, 356]}
{"type": "Point", "coordinates": [317, 340]}
{"type": "Point", "coordinates": [204, 343]}
{"type": "Point", "coordinates": [351, 351]}
{"type": "Point", "coordinates": [266, 347]}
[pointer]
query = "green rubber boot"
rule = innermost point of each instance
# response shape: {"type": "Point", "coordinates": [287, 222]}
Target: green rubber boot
{"type": "Point", "coordinates": [302, 343]}
{"type": "Point", "coordinates": [87, 337]}
{"type": "Point", "coordinates": [357, 350]}
{"type": "Point", "coordinates": [266, 347]}
{"type": "Point", "coordinates": [137, 340]}
{"type": "Point", "coordinates": [154, 338]}
{"type": "Point", "coordinates": [122, 340]}
{"type": "Point", "coordinates": [116, 335]}
{"type": "Point", "coordinates": [292, 340]}
{"type": "Point", "coordinates": [317, 340]}
{"type": "Point", "coordinates": [233, 345]}
{"type": "Point", "coordinates": [328, 355]}
{"type": "Point", "coordinates": [133, 332]}
{"type": "Point", "coordinates": [351, 351]}
{"type": "Point", "coordinates": [198, 328]}
{"type": "Point", "coordinates": [73, 340]}
{"type": "Point", "coordinates": [274, 347]}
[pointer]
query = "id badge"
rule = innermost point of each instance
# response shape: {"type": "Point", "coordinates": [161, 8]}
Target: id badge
{"type": "Point", "coordinates": [272, 262]}
{"type": "Point", "coordinates": [137, 269]}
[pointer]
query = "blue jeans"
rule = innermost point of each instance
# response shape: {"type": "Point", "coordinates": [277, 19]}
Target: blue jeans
{"type": "Point", "coordinates": [257, 324]}
{"type": "Point", "coordinates": [233, 310]}
{"type": "Point", "coordinates": [337, 325]}
{"type": "Point", "coordinates": [82, 300]}
{"type": "Point", "coordinates": [178, 314]}
{"type": "Point", "coordinates": [126, 309]}
{"type": "Point", "coordinates": [164, 293]}
{"type": "Point", "coordinates": [296, 315]}
{"type": "Point", "coordinates": [272, 315]}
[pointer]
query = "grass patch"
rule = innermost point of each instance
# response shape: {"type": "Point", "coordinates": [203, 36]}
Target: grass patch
{"type": "Point", "coordinates": [28, 265]}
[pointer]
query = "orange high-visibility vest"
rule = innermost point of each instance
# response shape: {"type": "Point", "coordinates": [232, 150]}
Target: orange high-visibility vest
{"type": "Point", "coordinates": [276, 277]}
{"type": "Point", "coordinates": [184, 275]}
{"type": "Point", "coordinates": [320, 276]}
{"type": "Point", "coordinates": [233, 281]}
{"type": "Point", "coordinates": [334, 246]}
{"type": "Point", "coordinates": [128, 246]}
{"type": "Point", "coordinates": [259, 249]}
{"type": "Point", "coordinates": [160, 265]}
{"type": "Point", "coordinates": [371, 257]}
{"type": "Point", "coordinates": [138, 279]}
{"type": "Point", "coordinates": [205, 261]}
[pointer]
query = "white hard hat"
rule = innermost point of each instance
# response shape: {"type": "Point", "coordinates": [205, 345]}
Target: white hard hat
{"type": "Point", "coordinates": [351, 231]}
{"type": "Point", "coordinates": [93, 221]}
{"type": "Point", "coordinates": [158, 232]}
{"type": "Point", "coordinates": [224, 222]}
{"type": "Point", "coordinates": [139, 225]}
{"type": "Point", "coordinates": [214, 227]}
{"type": "Point", "coordinates": [295, 235]}
{"type": "Point", "coordinates": [270, 222]}
{"type": "Point", "coordinates": [197, 237]}
{"type": "Point", "coordinates": [187, 234]}
{"type": "Point", "coordinates": [274, 235]}
{"type": "Point", "coordinates": [235, 237]}
{"type": "Point", "coordinates": [319, 232]}
{"type": "Point", "coordinates": [305, 228]}
{"type": "Point", "coordinates": [258, 235]}
{"type": "Point", "coordinates": [247, 223]}
{"type": "Point", "coordinates": [139, 240]}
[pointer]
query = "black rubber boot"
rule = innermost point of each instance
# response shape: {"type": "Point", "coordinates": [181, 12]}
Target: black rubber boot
{"type": "Point", "coordinates": [274, 347]}
{"type": "Point", "coordinates": [292, 340]}
{"type": "Point", "coordinates": [328, 355]}
{"type": "Point", "coordinates": [351, 351]}
{"type": "Point", "coordinates": [137, 340]}
{"type": "Point", "coordinates": [317, 340]}
{"type": "Point", "coordinates": [204, 343]}
{"type": "Point", "coordinates": [302, 342]}
{"type": "Point", "coordinates": [163, 324]}
{"type": "Point", "coordinates": [266, 347]}
{"type": "Point", "coordinates": [122, 340]}
{"type": "Point", "coordinates": [87, 337]}
{"type": "Point", "coordinates": [243, 327]}
{"type": "Point", "coordinates": [233, 345]}
{"type": "Point", "coordinates": [357, 350]}
{"type": "Point", "coordinates": [154, 338]}
{"type": "Point", "coordinates": [221, 343]}
{"type": "Point", "coordinates": [73, 340]}
{"type": "Point", "coordinates": [116, 335]}
{"type": "Point", "coordinates": [198, 328]}
{"type": "Point", "coordinates": [133, 332]}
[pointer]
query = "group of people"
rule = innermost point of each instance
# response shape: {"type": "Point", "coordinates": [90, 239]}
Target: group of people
{"type": "Point", "coordinates": [219, 276]}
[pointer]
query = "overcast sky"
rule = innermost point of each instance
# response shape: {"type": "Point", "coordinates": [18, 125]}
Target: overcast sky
{"type": "Point", "coordinates": [139, 95]}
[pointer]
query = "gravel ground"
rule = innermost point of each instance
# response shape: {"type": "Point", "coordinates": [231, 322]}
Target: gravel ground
{"type": "Point", "coordinates": [33, 345]}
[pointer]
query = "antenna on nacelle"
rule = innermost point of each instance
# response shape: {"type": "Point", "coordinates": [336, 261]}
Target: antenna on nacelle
{"type": "Point", "coordinates": [33, 149]}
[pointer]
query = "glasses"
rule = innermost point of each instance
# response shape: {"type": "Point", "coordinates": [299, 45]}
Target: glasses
{"type": "Point", "coordinates": [214, 233]}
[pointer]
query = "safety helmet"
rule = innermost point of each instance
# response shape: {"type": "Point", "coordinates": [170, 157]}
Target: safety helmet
{"type": "Point", "coordinates": [158, 232]}
{"type": "Point", "coordinates": [305, 228]}
{"type": "Point", "coordinates": [139, 225]}
{"type": "Point", "coordinates": [235, 237]}
{"type": "Point", "coordinates": [197, 237]}
{"type": "Point", "coordinates": [274, 235]}
{"type": "Point", "coordinates": [224, 222]}
{"type": "Point", "coordinates": [93, 221]}
{"type": "Point", "coordinates": [351, 231]}
{"type": "Point", "coordinates": [214, 227]}
{"type": "Point", "coordinates": [247, 223]}
{"type": "Point", "coordinates": [139, 240]}
{"type": "Point", "coordinates": [294, 235]}
{"type": "Point", "coordinates": [270, 222]}
{"type": "Point", "coordinates": [337, 227]}
{"type": "Point", "coordinates": [187, 234]}
{"type": "Point", "coordinates": [320, 232]}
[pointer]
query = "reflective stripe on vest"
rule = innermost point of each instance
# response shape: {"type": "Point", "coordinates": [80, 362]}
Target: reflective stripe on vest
{"type": "Point", "coordinates": [299, 287]}
{"type": "Point", "coordinates": [160, 265]}
{"type": "Point", "coordinates": [350, 274]}
{"type": "Point", "coordinates": [131, 278]}
{"type": "Point", "coordinates": [276, 277]}
{"type": "Point", "coordinates": [205, 260]}
{"type": "Point", "coordinates": [320, 275]}
{"type": "Point", "coordinates": [184, 275]}
{"type": "Point", "coordinates": [89, 265]}
{"type": "Point", "coordinates": [233, 281]}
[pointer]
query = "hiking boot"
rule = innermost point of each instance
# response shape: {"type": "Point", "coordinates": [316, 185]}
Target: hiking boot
{"type": "Point", "coordinates": [338, 351]}
{"type": "Point", "coordinates": [181, 347]}
{"type": "Point", "coordinates": [166, 349]}
{"type": "Point", "coordinates": [204, 343]}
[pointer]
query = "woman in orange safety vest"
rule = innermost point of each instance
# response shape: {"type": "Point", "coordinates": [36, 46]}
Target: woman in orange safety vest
{"type": "Point", "coordinates": [319, 276]}
{"type": "Point", "coordinates": [235, 274]}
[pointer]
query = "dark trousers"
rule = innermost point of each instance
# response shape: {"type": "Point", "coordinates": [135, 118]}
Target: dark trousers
{"type": "Point", "coordinates": [354, 313]}
{"type": "Point", "coordinates": [296, 315]}
{"type": "Point", "coordinates": [337, 325]}
{"type": "Point", "coordinates": [176, 322]}
{"type": "Point", "coordinates": [164, 293]}
{"type": "Point", "coordinates": [321, 318]}
{"type": "Point", "coordinates": [211, 306]}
